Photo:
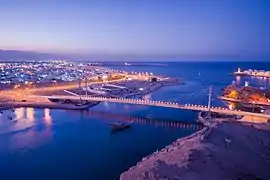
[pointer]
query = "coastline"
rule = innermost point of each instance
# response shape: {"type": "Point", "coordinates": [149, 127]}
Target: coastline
{"type": "Point", "coordinates": [222, 150]}
{"type": "Point", "coordinates": [48, 105]}
{"type": "Point", "coordinates": [251, 75]}
{"type": "Point", "coordinates": [239, 101]}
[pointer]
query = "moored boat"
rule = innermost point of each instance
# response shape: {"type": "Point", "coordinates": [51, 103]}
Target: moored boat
{"type": "Point", "coordinates": [120, 125]}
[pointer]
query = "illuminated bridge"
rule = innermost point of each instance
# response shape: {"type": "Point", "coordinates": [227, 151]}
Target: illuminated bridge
{"type": "Point", "coordinates": [192, 107]}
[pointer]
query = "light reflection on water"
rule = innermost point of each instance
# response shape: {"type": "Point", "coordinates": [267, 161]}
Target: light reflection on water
{"type": "Point", "coordinates": [32, 128]}
{"type": "Point", "coordinates": [16, 121]}
{"type": "Point", "coordinates": [47, 117]}
{"type": "Point", "coordinates": [238, 80]}
{"type": "Point", "coordinates": [19, 113]}
{"type": "Point", "coordinates": [30, 139]}
{"type": "Point", "coordinates": [76, 136]}
{"type": "Point", "coordinates": [141, 120]}
{"type": "Point", "coordinates": [25, 130]}
{"type": "Point", "coordinates": [30, 114]}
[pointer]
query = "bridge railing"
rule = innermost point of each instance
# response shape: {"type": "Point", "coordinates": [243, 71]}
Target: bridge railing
{"type": "Point", "coordinates": [162, 104]}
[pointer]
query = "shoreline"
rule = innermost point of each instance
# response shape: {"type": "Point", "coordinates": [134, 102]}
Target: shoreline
{"type": "Point", "coordinates": [250, 75]}
{"type": "Point", "coordinates": [239, 101]}
{"type": "Point", "coordinates": [47, 104]}
{"type": "Point", "coordinates": [222, 150]}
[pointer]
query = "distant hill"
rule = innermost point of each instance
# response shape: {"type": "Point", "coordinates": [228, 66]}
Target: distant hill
{"type": "Point", "coordinates": [128, 57]}
{"type": "Point", "coordinates": [27, 55]}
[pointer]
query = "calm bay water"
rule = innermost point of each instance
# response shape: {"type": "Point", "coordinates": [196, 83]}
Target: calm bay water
{"type": "Point", "coordinates": [59, 144]}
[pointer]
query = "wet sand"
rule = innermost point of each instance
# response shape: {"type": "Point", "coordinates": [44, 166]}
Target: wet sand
{"type": "Point", "coordinates": [222, 151]}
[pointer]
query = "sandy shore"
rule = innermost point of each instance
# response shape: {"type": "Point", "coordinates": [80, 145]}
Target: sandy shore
{"type": "Point", "coordinates": [223, 151]}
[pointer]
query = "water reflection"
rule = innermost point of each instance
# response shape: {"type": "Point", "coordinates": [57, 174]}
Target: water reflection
{"type": "Point", "coordinates": [18, 122]}
{"type": "Point", "coordinates": [19, 113]}
{"type": "Point", "coordinates": [26, 131]}
{"type": "Point", "coordinates": [30, 139]}
{"type": "Point", "coordinates": [47, 117]}
{"type": "Point", "coordinates": [238, 80]}
{"type": "Point", "coordinates": [30, 114]}
{"type": "Point", "coordinates": [143, 121]}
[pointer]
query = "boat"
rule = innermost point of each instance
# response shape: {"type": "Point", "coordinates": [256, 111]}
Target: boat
{"type": "Point", "coordinates": [120, 125]}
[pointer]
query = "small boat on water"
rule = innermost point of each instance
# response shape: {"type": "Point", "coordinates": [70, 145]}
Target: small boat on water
{"type": "Point", "coordinates": [117, 126]}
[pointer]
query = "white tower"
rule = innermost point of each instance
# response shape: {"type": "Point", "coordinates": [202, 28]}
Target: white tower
{"type": "Point", "coordinates": [239, 70]}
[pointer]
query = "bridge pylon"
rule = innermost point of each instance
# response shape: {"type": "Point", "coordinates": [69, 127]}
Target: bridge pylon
{"type": "Point", "coordinates": [86, 87]}
{"type": "Point", "coordinates": [80, 91]}
{"type": "Point", "coordinates": [209, 101]}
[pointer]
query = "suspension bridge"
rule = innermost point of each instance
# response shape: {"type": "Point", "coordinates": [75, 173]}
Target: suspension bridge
{"type": "Point", "coordinates": [166, 104]}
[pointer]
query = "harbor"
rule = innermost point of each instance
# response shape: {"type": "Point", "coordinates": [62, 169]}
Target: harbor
{"type": "Point", "coordinates": [135, 87]}
{"type": "Point", "coordinates": [84, 115]}
{"type": "Point", "coordinates": [135, 90]}
{"type": "Point", "coordinates": [254, 73]}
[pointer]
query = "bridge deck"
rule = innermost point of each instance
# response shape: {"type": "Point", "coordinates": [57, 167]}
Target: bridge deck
{"type": "Point", "coordinates": [160, 104]}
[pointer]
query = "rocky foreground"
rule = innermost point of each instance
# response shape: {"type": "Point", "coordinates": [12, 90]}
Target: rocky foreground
{"type": "Point", "coordinates": [223, 151]}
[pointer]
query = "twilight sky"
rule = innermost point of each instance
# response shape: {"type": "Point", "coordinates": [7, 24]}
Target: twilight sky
{"type": "Point", "coordinates": [139, 27]}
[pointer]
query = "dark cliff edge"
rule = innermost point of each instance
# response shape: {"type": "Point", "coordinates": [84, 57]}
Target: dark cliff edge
{"type": "Point", "coordinates": [224, 151]}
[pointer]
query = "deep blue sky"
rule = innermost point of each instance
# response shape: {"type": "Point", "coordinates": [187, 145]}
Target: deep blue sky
{"type": "Point", "coordinates": [141, 27]}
